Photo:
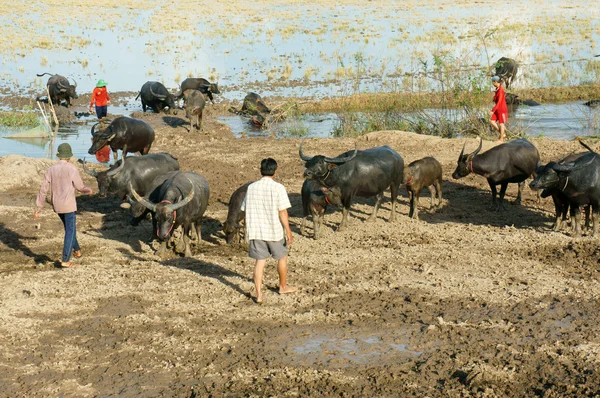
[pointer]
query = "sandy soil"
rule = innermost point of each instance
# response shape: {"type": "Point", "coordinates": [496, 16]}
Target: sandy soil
{"type": "Point", "coordinates": [465, 302]}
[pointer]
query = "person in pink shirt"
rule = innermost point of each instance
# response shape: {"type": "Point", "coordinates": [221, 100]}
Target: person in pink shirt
{"type": "Point", "coordinates": [63, 179]}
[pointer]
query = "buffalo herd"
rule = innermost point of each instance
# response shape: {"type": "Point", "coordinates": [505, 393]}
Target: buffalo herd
{"type": "Point", "coordinates": [153, 185]}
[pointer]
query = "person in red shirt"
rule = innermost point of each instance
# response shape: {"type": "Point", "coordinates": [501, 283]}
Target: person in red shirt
{"type": "Point", "coordinates": [101, 99]}
{"type": "Point", "coordinates": [499, 113]}
{"type": "Point", "coordinates": [63, 179]}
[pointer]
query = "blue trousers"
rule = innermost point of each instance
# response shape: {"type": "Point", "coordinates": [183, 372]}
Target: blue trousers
{"type": "Point", "coordinates": [101, 111]}
{"type": "Point", "coordinates": [70, 242]}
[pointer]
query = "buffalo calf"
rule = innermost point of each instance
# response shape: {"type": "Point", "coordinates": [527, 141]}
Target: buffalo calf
{"type": "Point", "coordinates": [315, 198]}
{"type": "Point", "coordinates": [426, 172]}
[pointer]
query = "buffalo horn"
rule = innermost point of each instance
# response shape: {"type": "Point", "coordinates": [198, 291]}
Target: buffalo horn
{"type": "Point", "coordinates": [302, 156]}
{"type": "Point", "coordinates": [185, 200]}
{"type": "Point", "coordinates": [478, 148]}
{"type": "Point", "coordinates": [94, 128]}
{"type": "Point", "coordinates": [342, 160]}
{"type": "Point", "coordinates": [93, 173]}
{"type": "Point", "coordinates": [157, 95]}
{"type": "Point", "coordinates": [462, 152]}
{"type": "Point", "coordinates": [74, 83]}
{"type": "Point", "coordinates": [118, 169]}
{"type": "Point", "coordinates": [147, 204]}
{"type": "Point", "coordinates": [60, 85]}
{"type": "Point", "coordinates": [583, 144]}
{"type": "Point", "coordinates": [572, 166]}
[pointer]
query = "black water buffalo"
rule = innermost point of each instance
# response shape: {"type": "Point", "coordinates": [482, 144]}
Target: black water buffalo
{"type": "Point", "coordinates": [426, 172]}
{"type": "Point", "coordinates": [358, 173]}
{"type": "Point", "coordinates": [139, 171]}
{"type": "Point", "coordinates": [235, 215]}
{"type": "Point", "coordinates": [182, 201]}
{"type": "Point", "coordinates": [511, 162]}
{"type": "Point", "coordinates": [156, 96]}
{"type": "Point", "coordinates": [194, 106]}
{"type": "Point", "coordinates": [315, 199]}
{"type": "Point", "coordinates": [506, 69]}
{"type": "Point", "coordinates": [547, 179]}
{"type": "Point", "coordinates": [125, 133]}
{"type": "Point", "coordinates": [60, 89]}
{"type": "Point", "coordinates": [198, 83]}
{"type": "Point", "coordinates": [254, 108]}
{"type": "Point", "coordinates": [513, 99]}
{"type": "Point", "coordinates": [592, 103]}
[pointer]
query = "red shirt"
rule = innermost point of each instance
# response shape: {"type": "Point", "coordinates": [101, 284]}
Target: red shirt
{"type": "Point", "coordinates": [100, 96]}
{"type": "Point", "coordinates": [500, 100]}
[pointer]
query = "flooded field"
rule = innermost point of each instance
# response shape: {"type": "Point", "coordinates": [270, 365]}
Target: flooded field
{"type": "Point", "coordinates": [334, 49]}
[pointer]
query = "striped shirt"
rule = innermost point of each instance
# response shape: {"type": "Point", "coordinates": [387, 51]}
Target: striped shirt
{"type": "Point", "coordinates": [63, 179]}
{"type": "Point", "coordinates": [263, 202]}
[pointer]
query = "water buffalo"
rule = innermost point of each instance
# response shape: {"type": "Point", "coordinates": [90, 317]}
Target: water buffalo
{"type": "Point", "coordinates": [547, 179]}
{"type": "Point", "coordinates": [235, 215]}
{"type": "Point", "coordinates": [125, 133]}
{"type": "Point", "coordinates": [506, 69]}
{"type": "Point", "coordinates": [315, 198]}
{"type": "Point", "coordinates": [254, 108]}
{"type": "Point", "coordinates": [156, 96]}
{"type": "Point", "coordinates": [426, 172]}
{"type": "Point", "coordinates": [181, 201]}
{"type": "Point", "coordinates": [511, 162]}
{"type": "Point", "coordinates": [139, 171]}
{"type": "Point", "coordinates": [358, 173]}
{"type": "Point", "coordinates": [592, 103]}
{"type": "Point", "coordinates": [576, 178]}
{"type": "Point", "coordinates": [513, 99]}
{"type": "Point", "coordinates": [194, 106]}
{"type": "Point", "coordinates": [60, 89]}
{"type": "Point", "coordinates": [198, 83]}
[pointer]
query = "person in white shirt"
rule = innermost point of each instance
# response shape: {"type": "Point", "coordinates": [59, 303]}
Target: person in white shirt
{"type": "Point", "coordinates": [266, 205]}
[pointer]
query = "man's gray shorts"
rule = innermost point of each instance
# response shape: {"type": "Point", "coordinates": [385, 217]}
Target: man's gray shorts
{"type": "Point", "coordinates": [262, 249]}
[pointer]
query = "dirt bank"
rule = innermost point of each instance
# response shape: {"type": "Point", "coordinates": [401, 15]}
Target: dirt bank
{"type": "Point", "coordinates": [465, 302]}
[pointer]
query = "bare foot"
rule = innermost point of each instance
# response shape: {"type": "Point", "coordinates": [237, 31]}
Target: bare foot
{"type": "Point", "coordinates": [287, 289]}
{"type": "Point", "coordinates": [77, 253]}
{"type": "Point", "coordinates": [67, 265]}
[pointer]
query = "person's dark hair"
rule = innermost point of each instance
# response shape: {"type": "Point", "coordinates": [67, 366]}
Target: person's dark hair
{"type": "Point", "coordinates": [268, 167]}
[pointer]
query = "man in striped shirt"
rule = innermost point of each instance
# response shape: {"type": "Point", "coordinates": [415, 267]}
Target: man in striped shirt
{"type": "Point", "coordinates": [266, 205]}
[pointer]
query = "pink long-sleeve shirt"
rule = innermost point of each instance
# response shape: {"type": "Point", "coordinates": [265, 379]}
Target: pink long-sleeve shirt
{"type": "Point", "coordinates": [63, 179]}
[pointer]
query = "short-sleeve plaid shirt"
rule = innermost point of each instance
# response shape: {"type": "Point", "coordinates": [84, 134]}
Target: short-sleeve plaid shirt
{"type": "Point", "coordinates": [263, 202]}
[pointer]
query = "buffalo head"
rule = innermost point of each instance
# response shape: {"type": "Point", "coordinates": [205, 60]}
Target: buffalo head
{"type": "Point", "coordinates": [166, 97]}
{"type": "Point", "coordinates": [232, 232]}
{"type": "Point", "coordinates": [464, 167]}
{"type": "Point", "coordinates": [545, 178]}
{"type": "Point", "coordinates": [319, 166]}
{"type": "Point", "coordinates": [104, 178]}
{"type": "Point", "coordinates": [165, 213]}
{"type": "Point", "coordinates": [101, 138]}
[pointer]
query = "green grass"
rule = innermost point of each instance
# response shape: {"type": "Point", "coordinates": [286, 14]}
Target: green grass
{"type": "Point", "coordinates": [19, 119]}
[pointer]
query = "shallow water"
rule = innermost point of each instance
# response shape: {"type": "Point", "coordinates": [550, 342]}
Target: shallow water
{"type": "Point", "coordinates": [332, 49]}
{"type": "Point", "coordinates": [558, 121]}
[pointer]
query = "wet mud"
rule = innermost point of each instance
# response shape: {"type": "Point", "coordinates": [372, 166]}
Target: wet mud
{"type": "Point", "coordinates": [463, 302]}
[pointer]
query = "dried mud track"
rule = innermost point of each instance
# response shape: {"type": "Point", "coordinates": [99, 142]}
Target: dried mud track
{"type": "Point", "coordinates": [465, 302]}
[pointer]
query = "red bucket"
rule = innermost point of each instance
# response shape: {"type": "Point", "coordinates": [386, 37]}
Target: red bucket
{"type": "Point", "coordinates": [103, 155]}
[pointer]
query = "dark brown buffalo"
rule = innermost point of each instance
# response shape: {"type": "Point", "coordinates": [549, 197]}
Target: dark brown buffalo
{"type": "Point", "coordinates": [198, 83]}
{"type": "Point", "coordinates": [315, 199]}
{"type": "Point", "coordinates": [253, 108]}
{"type": "Point", "coordinates": [506, 69]}
{"type": "Point", "coordinates": [60, 89]}
{"type": "Point", "coordinates": [194, 106]}
{"type": "Point", "coordinates": [511, 162]}
{"type": "Point", "coordinates": [426, 172]}
{"type": "Point", "coordinates": [235, 215]}
{"type": "Point", "coordinates": [125, 133]}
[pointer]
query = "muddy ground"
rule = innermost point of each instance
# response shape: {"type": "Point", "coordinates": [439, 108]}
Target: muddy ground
{"type": "Point", "coordinates": [464, 302]}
